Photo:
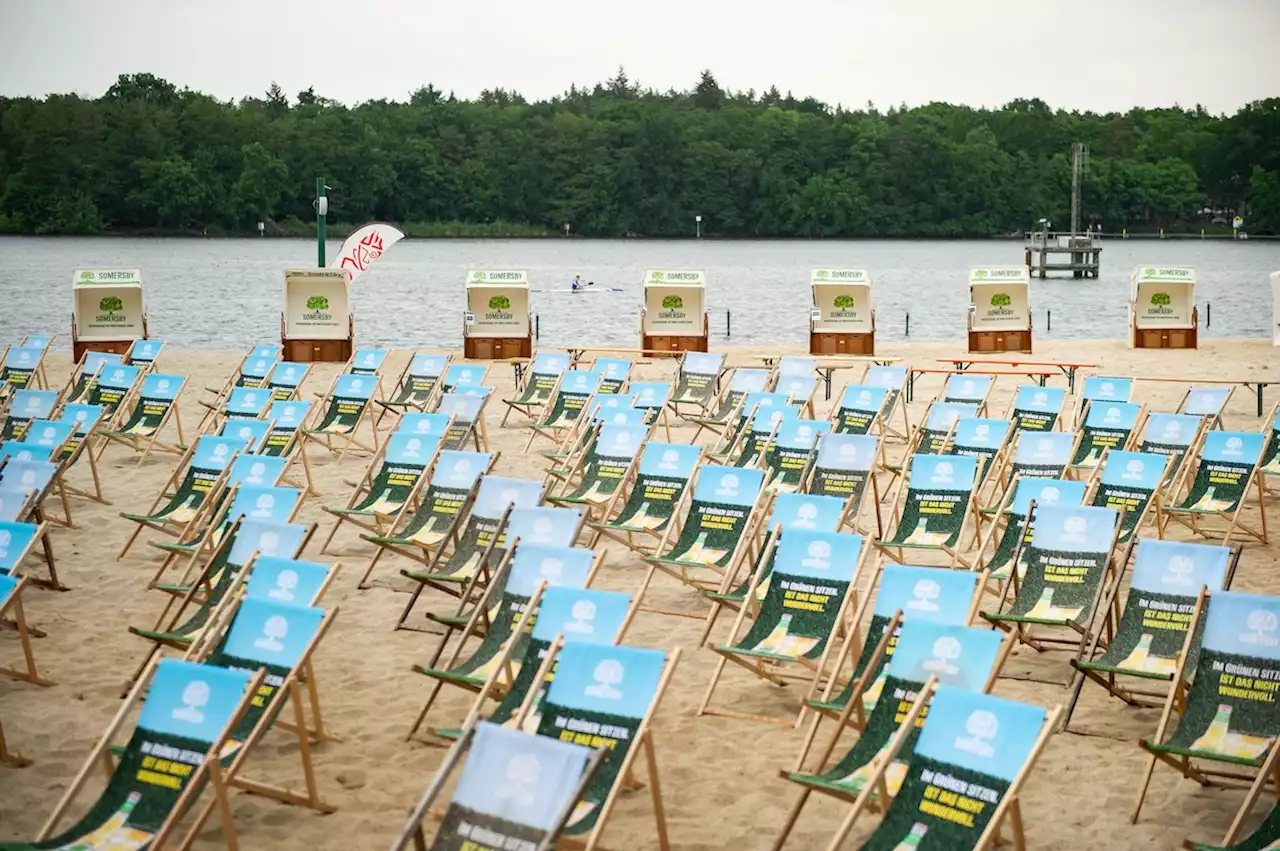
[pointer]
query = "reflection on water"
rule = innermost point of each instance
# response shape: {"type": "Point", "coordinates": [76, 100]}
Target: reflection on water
{"type": "Point", "coordinates": [226, 294]}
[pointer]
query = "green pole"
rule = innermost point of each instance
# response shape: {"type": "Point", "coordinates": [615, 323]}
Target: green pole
{"type": "Point", "coordinates": [319, 222]}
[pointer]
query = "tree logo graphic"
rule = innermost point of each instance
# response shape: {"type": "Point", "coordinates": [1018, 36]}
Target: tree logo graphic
{"type": "Point", "coordinates": [673, 302]}
{"type": "Point", "coordinates": [110, 304]}
{"type": "Point", "coordinates": [86, 276]}
{"type": "Point", "coordinates": [1001, 300]}
{"type": "Point", "coordinates": [821, 274]}
{"type": "Point", "coordinates": [1161, 299]}
{"type": "Point", "coordinates": [1149, 272]}
{"type": "Point", "coordinates": [317, 302]}
{"type": "Point", "coordinates": [843, 301]}
{"type": "Point", "coordinates": [980, 273]}
{"type": "Point", "coordinates": [499, 302]}
{"type": "Point", "coordinates": [477, 276]}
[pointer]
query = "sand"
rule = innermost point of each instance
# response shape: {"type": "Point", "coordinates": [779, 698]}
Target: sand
{"type": "Point", "coordinates": [719, 776]}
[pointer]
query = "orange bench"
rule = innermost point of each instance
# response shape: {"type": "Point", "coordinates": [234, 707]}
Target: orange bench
{"type": "Point", "coordinates": [1068, 369]}
{"type": "Point", "coordinates": [1041, 376]}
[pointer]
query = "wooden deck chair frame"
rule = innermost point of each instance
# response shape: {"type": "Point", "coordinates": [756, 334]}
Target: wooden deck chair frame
{"type": "Point", "coordinates": [681, 572]}
{"type": "Point", "coordinates": [594, 507]}
{"type": "Point", "coordinates": [13, 617]}
{"type": "Point", "coordinates": [299, 690]}
{"type": "Point", "coordinates": [65, 490]}
{"type": "Point", "coordinates": [643, 739]}
{"type": "Point", "coordinates": [1112, 575]}
{"type": "Point", "coordinates": [1178, 693]}
{"type": "Point", "coordinates": [1007, 807]}
{"type": "Point", "coordinates": [424, 555]}
{"type": "Point", "coordinates": [412, 832]}
{"type": "Point", "coordinates": [1095, 484]}
{"type": "Point", "coordinates": [1214, 421]}
{"type": "Point", "coordinates": [852, 517]}
{"type": "Point", "coordinates": [44, 376]}
{"type": "Point", "coordinates": [619, 500]}
{"type": "Point", "coordinates": [376, 522]}
{"type": "Point", "coordinates": [150, 443]}
{"type": "Point", "coordinates": [45, 554]}
{"type": "Point", "coordinates": [711, 421]}
{"type": "Point", "coordinates": [394, 406]}
{"type": "Point", "coordinates": [69, 394]}
{"type": "Point", "coordinates": [1192, 521]}
{"type": "Point", "coordinates": [769, 670]}
{"type": "Point", "coordinates": [1182, 469]}
{"type": "Point", "coordinates": [531, 408]}
{"type": "Point", "coordinates": [1079, 472]}
{"type": "Point", "coordinates": [210, 769]}
{"type": "Point", "coordinates": [349, 439]}
{"type": "Point", "coordinates": [896, 399]}
{"type": "Point", "coordinates": [845, 721]}
{"type": "Point", "coordinates": [39, 379]}
{"type": "Point", "coordinates": [982, 403]}
{"type": "Point", "coordinates": [540, 427]}
{"type": "Point", "coordinates": [180, 531]}
{"type": "Point", "coordinates": [955, 555]}
{"type": "Point", "coordinates": [13, 759]}
{"type": "Point", "coordinates": [1268, 773]}
{"type": "Point", "coordinates": [1003, 477]}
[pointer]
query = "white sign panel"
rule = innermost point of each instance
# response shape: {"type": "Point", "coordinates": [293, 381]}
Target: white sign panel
{"type": "Point", "coordinates": [687, 276]}
{"type": "Point", "coordinates": [1163, 296]}
{"type": "Point", "coordinates": [999, 299]}
{"type": "Point", "coordinates": [108, 304]}
{"type": "Point", "coordinates": [316, 305]}
{"type": "Point", "coordinates": [674, 311]}
{"type": "Point", "coordinates": [842, 301]}
{"type": "Point", "coordinates": [500, 302]}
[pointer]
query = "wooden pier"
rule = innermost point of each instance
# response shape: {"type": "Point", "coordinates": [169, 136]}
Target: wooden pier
{"type": "Point", "coordinates": [1079, 254]}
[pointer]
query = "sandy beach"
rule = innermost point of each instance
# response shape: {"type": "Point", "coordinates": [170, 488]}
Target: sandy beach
{"type": "Point", "coordinates": [719, 776]}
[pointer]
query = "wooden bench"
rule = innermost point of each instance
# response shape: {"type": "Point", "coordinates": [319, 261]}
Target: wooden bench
{"type": "Point", "coordinates": [1249, 384]}
{"type": "Point", "coordinates": [1041, 376]}
{"type": "Point", "coordinates": [1068, 369]}
{"type": "Point", "coordinates": [826, 365]}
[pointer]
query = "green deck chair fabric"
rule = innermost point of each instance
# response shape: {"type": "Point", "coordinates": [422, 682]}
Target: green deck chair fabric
{"type": "Point", "coordinates": [843, 466]}
{"type": "Point", "coordinates": [792, 450]}
{"type": "Point", "coordinates": [576, 387]}
{"type": "Point", "coordinates": [1107, 425]}
{"type": "Point", "coordinates": [982, 439]}
{"type": "Point", "coordinates": [1226, 465]}
{"type": "Point", "coordinates": [661, 479]}
{"type": "Point", "coordinates": [959, 656]}
{"type": "Point", "coordinates": [420, 381]}
{"type": "Point", "coordinates": [697, 380]}
{"type": "Point", "coordinates": [611, 456]}
{"type": "Point", "coordinates": [211, 456]}
{"type": "Point", "coordinates": [1128, 483]}
{"type": "Point", "coordinates": [91, 364]}
{"type": "Point", "coordinates": [113, 385]}
{"type": "Point", "coordinates": [159, 394]}
{"type": "Point", "coordinates": [286, 420]}
{"type": "Point", "coordinates": [452, 480]}
{"type": "Point", "coordinates": [1171, 435]}
{"type": "Point", "coordinates": [1227, 717]}
{"type": "Point", "coordinates": [187, 709]}
{"type": "Point", "coordinates": [86, 419]}
{"type": "Point", "coordinates": [764, 421]}
{"type": "Point", "coordinates": [722, 503]}
{"type": "Point", "coordinates": [544, 375]}
{"type": "Point", "coordinates": [1066, 566]}
{"type": "Point", "coordinates": [1271, 454]}
{"type": "Point", "coordinates": [1037, 408]}
{"type": "Point", "coordinates": [754, 410]}
{"type": "Point", "coordinates": [939, 490]}
{"type": "Point", "coordinates": [860, 406]}
{"type": "Point", "coordinates": [608, 689]}
{"type": "Point", "coordinates": [1265, 837]}
{"type": "Point", "coordinates": [465, 404]}
{"type": "Point", "coordinates": [24, 406]}
{"type": "Point", "coordinates": [1020, 520]}
{"type": "Point", "coordinates": [19, 365]}
{"type": "Point", "coordinates": [346, 405]}
{"type": "Point", "coordinates": [404, 463]}
{"type": "Point", "coordinates": [743, 382]}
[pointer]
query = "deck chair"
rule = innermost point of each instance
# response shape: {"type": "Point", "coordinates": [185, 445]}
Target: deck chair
{"type": "Point", "coordinates": [466, 405]}
{"type": "Point", "coordinates": [1013, 520]}
{"type": "Point", "coordinates": [1107, 425]}
{"type": "Point", "coordinates": [605, 696]}
{"type": "Point", "coordinates": [644, 506]}
{"type": "Point", "coordinates": [390, 486]}
{"type": "Point", "coordinates": [39, 341]}
{"type": "Point", "coordinates": [498, 626]}
{"type": "Point", "coordinates": [464, 373]}
{"type": "Point", "coordinates": [1071, 563]}
{"type": "Point", "coordinates": [544, 778]}
{"type": "Point", "coordinates": [241, 403]}
{"type": "Point", "coordinates": [729, 401]}
{"type": "Point", "coordinates": [937, 426]}
{"type": "Point", "coordinates": [969, 763]}
{"type": "Point", "coordinates": [800, 513]}
{"type": "Point", "coordinates": [1172, 435]}
{"type": "Point", "coordinates": [284, 440]}
{"type": "Point", "coordinates": [285, 380]}
{"type": "Point", "coordinates": [18, 542]}
{"type": "Point", "coordinates": [252, 433]}
{"type": "Point", "coordinates": [806, 606]}
{"type": "Point", "coordinates": [1038, 455]}
{"type": "Point", "coordinates": [1264, 836]}
{"type": "Point", "coordinates": [762, 426]}
{"type": "Point", "coordinates": [753, 412]}
{"type": "Point", "coordinates": [85, 373]}
{"type": "Point", "coordinates": [1103, 390]}
{"type": "Point", "coordinates": [602, 468]}
{"type": "Point", "coordinates": [565, 615]}
{"type": "Point", "coordinates": [859, 409]}
{"type": "Point", "coordinates": [969, 389]}
{"type": "Point", "coordinates": [281, 639]}
{"type": "Point", "coordinates": [544, 375]}
{"type": "Point", "coordinates": [366, 362]}
{"type": "Point", "coordinates": [21, 367]}
{"type": "Point", "coordinates": [154, 407]}
{"type": "Point", "coordinates": [252, 371]}
{"type": "Point", "coordinates": [1226, 724]}
{"type": "Point", "coordinates": [791, 452]}
{"type": "Point", "coordinates": [930, 516]}
{"type": "Point", "coordinates": [13, 617]}
{"type": "Point", "coordinates": [112, 386]}
{"type": "Point", "coordinates": [894, 380]}
{"type": "Point", "coordinates": [1036, 408]}
{"type": "Point", "coordinates": [169, 760]}
{"type": "Point", "coordinates": [718, 522]}
{"type": "Point", "coordinates": [843, 468]}
{"type": "Point", "coordinates": [799, 389]}
{"type": "Point", "coordinates": [1270, 465]}
{"type": "Point", "coordinates": [652, 397]}
{"type": "Point", "coordinates": [1207, 402]}
{"type": "Point", "coordinates": [1226, 469]}
{"type": "Point", "coordinates": [984, 439]}
{"type": "Point", "coordinates": [897, 594]}
{"type": "Point", "coordinates": [1129, 483]}
{"type": "Point", "coordinates": [188, 494]}
{"type": "Point", "coordinates": [144, 354]}
{"type": "Point", "coordinates": [697, 381]}
{"type": "Point", "coordinates": [615, 373]}
{"type": "Point", "coordinates": [482, 539]}
{"type": "Point", "coordinates": [85, 420]}
{"type": "Point", "coordinates": [416, 389]}
{"type": "Point", "coordinates": [566, 404]}
{"type": "Point", "coordinates": [960, 656]}
{"type": "Point", "coordinates": [1164, 590]}
{"type": "Point", "coordinates": [344, 411]}
{"type": "Point", "coordinates": [25, 406]}
{"type": "Point", "coordinates": [443, 506]}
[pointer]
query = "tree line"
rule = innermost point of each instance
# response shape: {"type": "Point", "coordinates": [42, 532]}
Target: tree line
{"type": "Point", "coordinates": [617, 159]}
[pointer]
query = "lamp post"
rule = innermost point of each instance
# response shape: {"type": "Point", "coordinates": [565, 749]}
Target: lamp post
{"type": "Point", "coordinates": [322, 210]}
{"type": "Point", "coordinates": [698, 221]}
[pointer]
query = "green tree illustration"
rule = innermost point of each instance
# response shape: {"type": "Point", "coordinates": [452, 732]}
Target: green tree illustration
{"type": "Point", "coordinates": [672, 302]}
{"type": "Point", "coordinates": [317, 302]}
{"type": "Point", "coordinates": [1161, 299]}
{"type": "Point", "coordinates": [1001, 300]}
{"type": "Point", "coordinates": [110, 304]}
{"type": "Point", "coordinates": [499, 302]}
{"type": "Point", "coordinates": [843, 301]}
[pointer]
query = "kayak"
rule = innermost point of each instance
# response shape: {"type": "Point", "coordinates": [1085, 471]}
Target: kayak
{"type": "Point", "coordinates": [583, 290]}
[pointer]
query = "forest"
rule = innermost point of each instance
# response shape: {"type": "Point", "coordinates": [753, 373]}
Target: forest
{"type": "Point", "coordinates": [618, 159]}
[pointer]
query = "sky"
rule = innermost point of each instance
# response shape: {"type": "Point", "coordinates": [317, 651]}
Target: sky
{"type": "Point", "coordinates": [1100, 56]}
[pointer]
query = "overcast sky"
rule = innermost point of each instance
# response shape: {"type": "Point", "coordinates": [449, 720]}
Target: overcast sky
{"type": "Point", "coordinates": [1101, 56]}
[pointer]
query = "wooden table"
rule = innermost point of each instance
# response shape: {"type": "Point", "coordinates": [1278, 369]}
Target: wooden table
{"type": "Point", "coordinates": [1255, 386]}
{"type": "Point", "coordinates": [1068, 369]}
{"type": "Point", "coordinates": [1041, 376]}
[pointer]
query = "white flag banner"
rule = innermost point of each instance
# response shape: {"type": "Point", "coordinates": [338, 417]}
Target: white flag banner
{"type": "Point", "coordinates": [365, 245]}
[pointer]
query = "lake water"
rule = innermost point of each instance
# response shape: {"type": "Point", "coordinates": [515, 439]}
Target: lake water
{"type": "Point", "coordinates": [226, 294]}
